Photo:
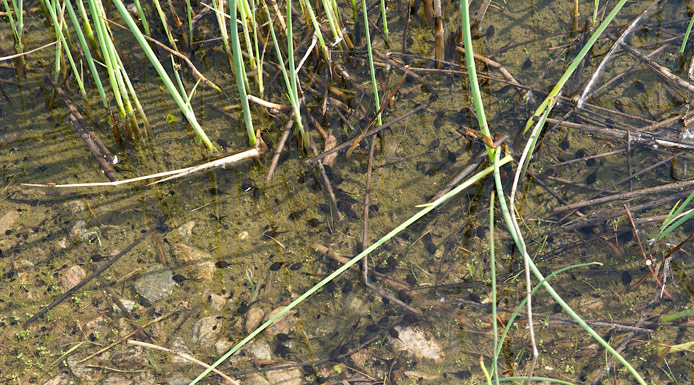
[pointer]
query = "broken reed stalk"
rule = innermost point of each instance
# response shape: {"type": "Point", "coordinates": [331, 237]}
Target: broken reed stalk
{"type": "Point", "coordinates": [230, 160]}
{"type": "Point", "coordinates": [185, 356]}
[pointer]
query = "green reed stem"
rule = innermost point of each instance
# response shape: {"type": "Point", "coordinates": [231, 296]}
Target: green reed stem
{"type": "Point", "coordinates": [240, 74]}
{"type": "Point", "coordinates": [330, 14]}
{"type": "Point", "coordinates": [293, 83]}
{"type": "Point", "coordinates": [547, 287]}
{"type": "Point", "coordinates": [293, 98]}
{"type": "Point", "coordinates": [371, 60]}
{"type": "Point", "coordinates": [221, 21]}
{"type": "Point", "coordinates": [187, 112]}
{"type": "Point", "coordinates": [87, 52]}
{"type": "Point", "coordinates": [385, 20]}
{"type": "Point", "coordinates": [18, 28]}
{"type": "Point", "coordinates": [495, 154]}
{"type": "Point", "coordinates": [143, 17]}
{"type": "Point", "coordinates": [104, 41]}
{"type": "Point", "coordinates": [66, 48]}
{"type": "Point", "coordinates": [165, 24]}
{"type": "Point", "coordinates": [259, 66]}
{"type": "Point", "coordinates": [316, 28]}
{"type": "Point", "coordinates": [516, 312]}
{"type": "Point", "coordinates": [686, 34]}
{"type": "Point", "coordinates": [426, 208]}
{"type": "Point", "coordinates": [492, 272]}
{"type": "Point", "coordinates": [245, 15]}
{"type": "Point", "coordinates": [189, 14]}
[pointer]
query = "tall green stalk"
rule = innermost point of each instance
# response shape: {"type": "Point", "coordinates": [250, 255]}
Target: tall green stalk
{"type": "Point", "coordinates": [17, 28]}
{"type": "Point", "coordinates": [495, 154]}
{"type": "Point", "coordinates": [58, 26]}
{"type": "Point", "coordinates": [187, 112]}
{"type": "Point", "coordinates": [426, 208]}
{"type": "Point", "coordinates": [240, 71]}
{"type": "Point", "coordinates": [293, 98]}
{"type": "Point", "coordinates": [374, 85]}
{"type": "Point", "coordinates": [293, 83]}
{"type": "Point", "coordinates": [574, 64]}
{"type": "Point", "coordinates": [87, 52]}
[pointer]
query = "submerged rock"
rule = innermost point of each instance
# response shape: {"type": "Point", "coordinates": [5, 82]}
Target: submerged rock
{"type": "Point", "coordinates": [71, 277]}
{"type": "Point", "coordinates": [60, 379]}
{"type": "Point", "coordinates": [285, 377]}
{"type": "Point", "coordinates": [157, 283]}
{"type": "Point", "coordinates": [199, 263]}
{"type": "Point", "coordinates": [416, 342]}
{"type": "Point", "coordinates": [206, 330]}
{"type": "Point", "coordinates": [180, 346]}
{"type": "Point", "coordinates": [253, 319]}
{"type": "Point", "coordinates": [7, 221]}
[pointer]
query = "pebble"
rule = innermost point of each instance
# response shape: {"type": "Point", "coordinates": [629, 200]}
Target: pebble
{"type": "Point", "coordinates": [283, 325]}
{"type": "Point", "coordinates": [260, 350]}
{"type": "Point", "coordinates": [74, 207]}
{"type": "Point", "coordinates": [206, 330]}
{"type": "Point", "coordinates": [416, 342]}
{"type": "Point", "coordinates": [129, 305]}
{"type": "Point", "coordinates": [77, 231]}
{"type": "Point", "coordinates": [155, 284]}
{"type": "Point", "coordinates": [222, 346]}
{"type": "Point", "coordinates": [86, 375]}
{"type": "Point", "coordinates": [180, 346]}
{"type": "Point", "coordinates": [186, 230]}
{"type": "Point", "coordinates": [60, 379]}
{"type": "Point", "coordinates": [285, 377]}
{"type": "Point", "coordinates": [131, 358]}
{"type": "Point", "coordinates": [355, 305]}
{"type": "Point", "coordinates": [8, 220]}
{"type": "Point", "coordinates": [200, 263]}
{"type": "Point", "coordinates": [71, 277]}
{"type": "Point", "coordinates": [216, 301]}
{"type": "Point", "coordinates": [253, 319]}
{"type": "Point", "coordinates": [255, 379]}
{"type": "Point", "coordinates": [21, 264]}
{"type": "Point", "coordinates": [178, 379]}
{"type": "Point", "coordinates": [142, 378]}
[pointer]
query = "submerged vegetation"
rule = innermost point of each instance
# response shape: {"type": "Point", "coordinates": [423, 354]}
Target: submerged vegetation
{"type": "Point", "coordinates": [512, 150]}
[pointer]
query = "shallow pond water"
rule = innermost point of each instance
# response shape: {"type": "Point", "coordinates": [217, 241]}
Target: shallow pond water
{"type": "Point", "coordinates": [229, 248]}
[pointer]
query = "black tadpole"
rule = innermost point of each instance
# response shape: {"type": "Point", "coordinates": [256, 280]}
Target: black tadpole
{"type": "Point", "coordinates": [98, 271]}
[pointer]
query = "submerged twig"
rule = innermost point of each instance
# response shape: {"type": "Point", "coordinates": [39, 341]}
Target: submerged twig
{"type": "Point", "coordinates": [86, 280]}
{"type": "Point", "coordinates": [369, 133]}
{"type": "Point", "coordinates": [278, 151]}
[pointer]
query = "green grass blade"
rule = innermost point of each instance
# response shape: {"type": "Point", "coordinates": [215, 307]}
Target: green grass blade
{"type": "Point", "coordinates": [374, 85]}
{"type": "Point", "coordinates": [425, 210]}
{"type": "Point", "coordinates": [686, 34]}
{"type": "Point", "coordinates": [240, 72]}
{"type": "Point", "coordinates": [188, 113]}
{"type": "Point", "coordinates": [87, 52]}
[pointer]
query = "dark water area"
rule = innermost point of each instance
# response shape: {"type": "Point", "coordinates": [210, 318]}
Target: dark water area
{"type": "Point", "coordinates": [226, 248]}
